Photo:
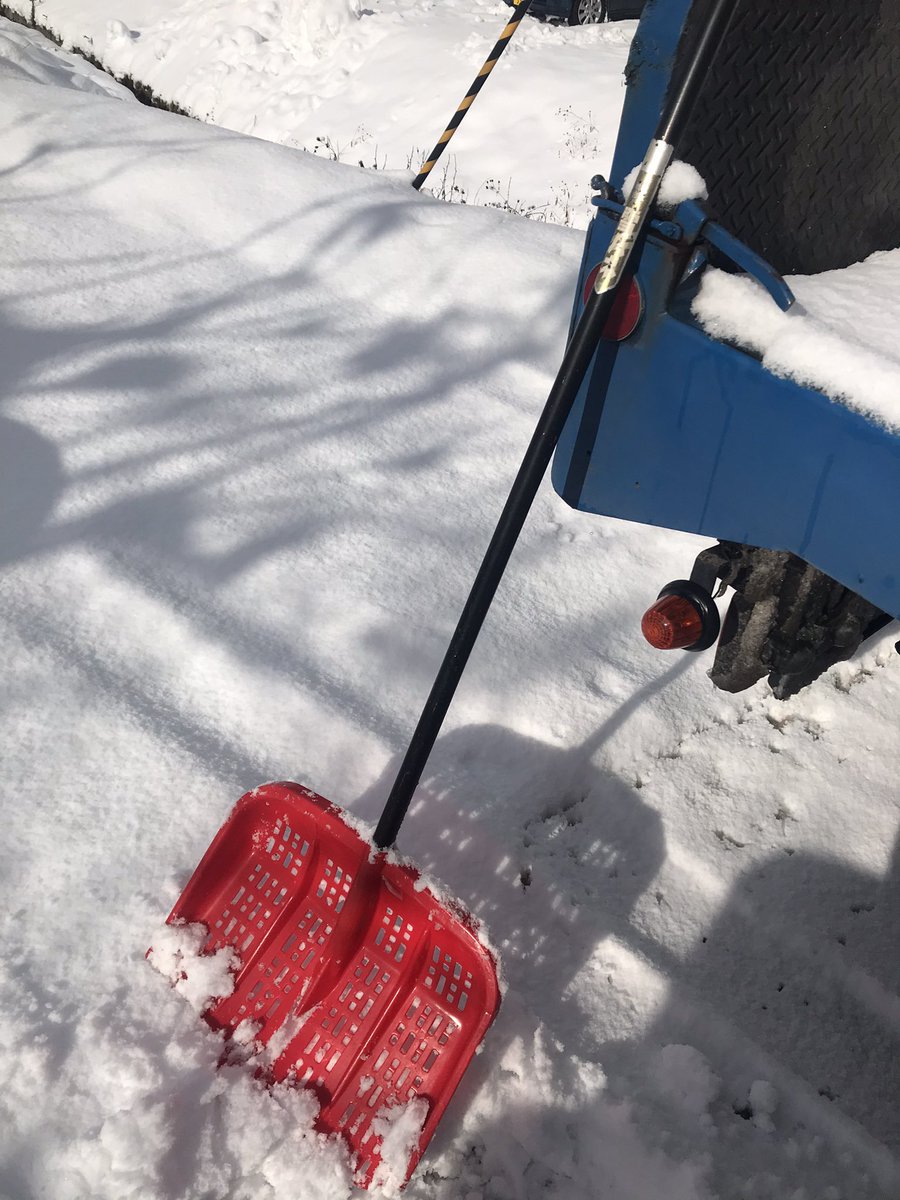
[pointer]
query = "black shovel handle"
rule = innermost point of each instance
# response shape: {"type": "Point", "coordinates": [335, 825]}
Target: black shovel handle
{"type": "Point", "coordinates": [576, 360]}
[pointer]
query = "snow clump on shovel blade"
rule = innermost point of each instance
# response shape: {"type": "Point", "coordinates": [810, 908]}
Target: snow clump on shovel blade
{"type": "Point", "coordinates": [200, 978]}
{"type": "Point", "coordinates": [399, 1127]}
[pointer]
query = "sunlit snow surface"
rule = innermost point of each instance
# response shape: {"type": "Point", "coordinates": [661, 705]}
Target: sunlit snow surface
{"type": "Point", "coordinates": [258, 414]}
{"type": "Point", "coordinates": [376, 82]}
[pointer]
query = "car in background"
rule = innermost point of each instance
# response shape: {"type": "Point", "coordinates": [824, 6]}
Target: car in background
{"type": "Point", "coordinates": [586, 12]}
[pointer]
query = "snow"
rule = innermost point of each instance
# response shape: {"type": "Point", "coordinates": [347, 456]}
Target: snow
{"type": "Point", "coordinates": [763, 1101]}
{"type": "Point", "coordinates": [841, 338]}
{"type": "Point", "coordinates": [40, 61]}
{"type": "Point", "coordinates": [680, 182]}
{"type": "Point", "coordinates": [399, 1128]}
{"type": "Point", "coordinates": [686, 1078]}
{"type": "Point", "coordinates": [376, 83]}
{"type": "Point", "coordinates": [257, 423]}
{"type": "Point", "coordinates": [200, 978]}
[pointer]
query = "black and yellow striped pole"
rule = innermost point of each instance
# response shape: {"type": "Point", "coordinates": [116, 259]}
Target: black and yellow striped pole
{"type": "Point", "coordinates": [521, 8]}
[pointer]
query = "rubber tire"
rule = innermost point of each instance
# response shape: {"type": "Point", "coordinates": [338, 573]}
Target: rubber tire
{"type": "Point", "coordinates": [598, 7]}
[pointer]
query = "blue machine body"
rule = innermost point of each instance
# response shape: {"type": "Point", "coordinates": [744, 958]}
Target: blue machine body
{"type": "Point", "coordinates": [674, 428]}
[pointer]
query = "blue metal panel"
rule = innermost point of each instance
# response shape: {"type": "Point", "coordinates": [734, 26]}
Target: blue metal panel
{"type": "Point", "coordinates": [648, 73]}
{"type": "Point", "coordinates": [712, 443]}
{"type": "Point", "coordinates": [675, 429]}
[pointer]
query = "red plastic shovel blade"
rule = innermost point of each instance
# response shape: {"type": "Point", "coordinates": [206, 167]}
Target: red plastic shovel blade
{"type": "Point", "coordinates": [364, 986]}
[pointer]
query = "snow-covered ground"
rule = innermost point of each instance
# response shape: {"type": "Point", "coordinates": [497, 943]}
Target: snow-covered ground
{"type": "Point", "coordinates": [255, 426]}
{"type": "Point", "coordinates": [377, 82]}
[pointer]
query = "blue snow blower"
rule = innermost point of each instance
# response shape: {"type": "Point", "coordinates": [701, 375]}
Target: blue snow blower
{"type": "Point", "coordinates": [797, 135]}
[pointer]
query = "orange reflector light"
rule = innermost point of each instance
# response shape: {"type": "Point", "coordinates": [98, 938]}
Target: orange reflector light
{"type": "Point", "coordinates": [627, 309]}
{"type": "Point", "coordinates": [672, 623]}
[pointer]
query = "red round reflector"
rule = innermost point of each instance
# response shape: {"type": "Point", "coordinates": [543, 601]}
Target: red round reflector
{"type": "Point", "coordinates": [627, 309]}
{"type": "Point", "coordinates": [672, 623]}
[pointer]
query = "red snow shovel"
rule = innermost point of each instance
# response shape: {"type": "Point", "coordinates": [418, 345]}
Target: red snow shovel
{"type": "Point", "coordinates": [364, 985]}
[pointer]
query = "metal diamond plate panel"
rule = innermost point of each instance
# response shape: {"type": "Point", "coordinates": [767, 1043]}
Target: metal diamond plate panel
{"type": "Point", "coordinates": [797, 132]}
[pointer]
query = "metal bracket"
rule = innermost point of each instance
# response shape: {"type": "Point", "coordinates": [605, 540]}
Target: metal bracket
{"type": "Point", "coordinates": [692, 224]}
